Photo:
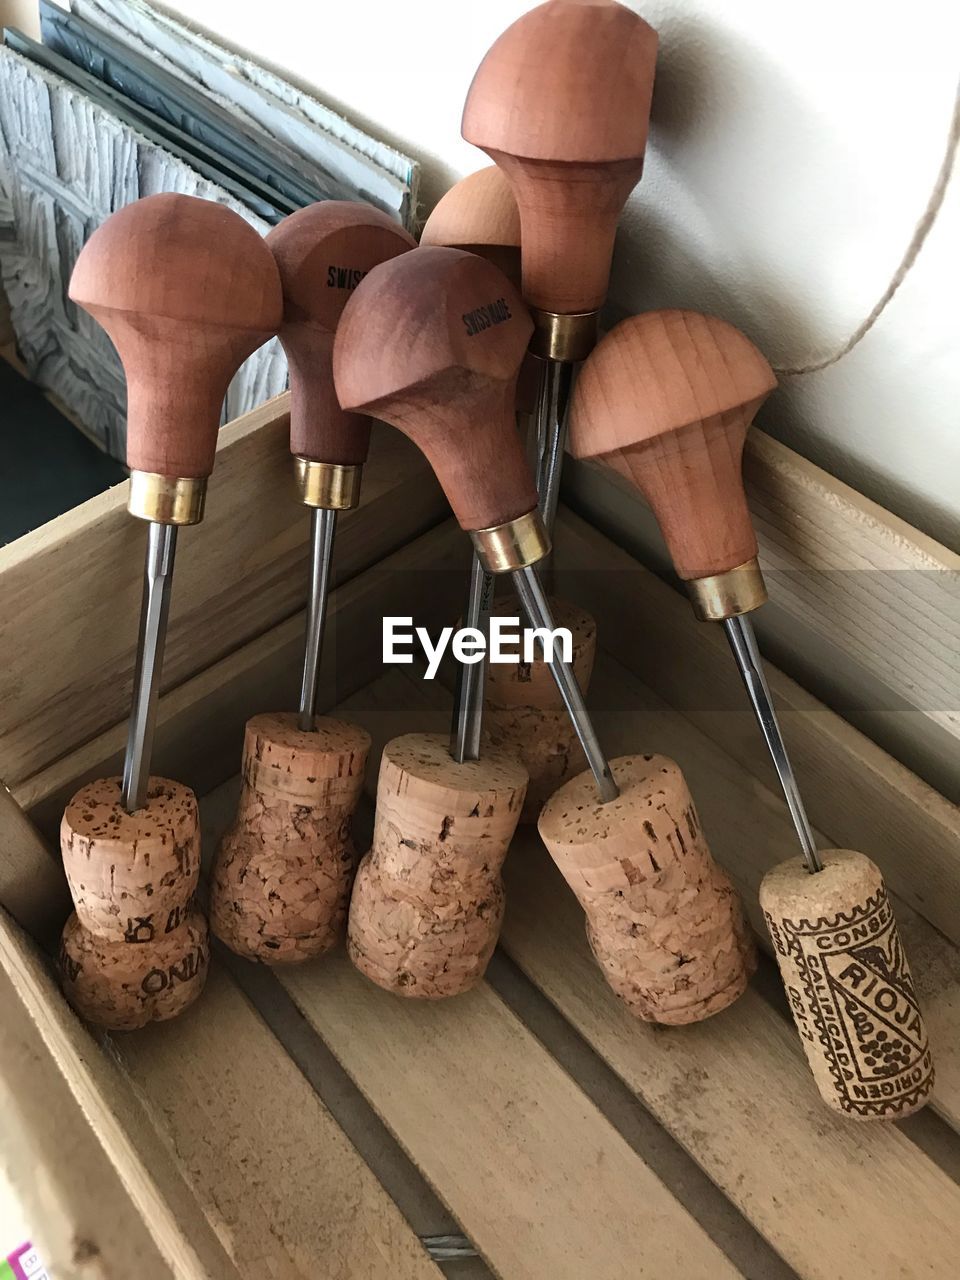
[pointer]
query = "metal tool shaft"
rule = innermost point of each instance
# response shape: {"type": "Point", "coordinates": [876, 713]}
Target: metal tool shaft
{"type": "Point", "coordinates": [471, 677]}
{"type": "Point", "coordinates": [154, 611]}
{"type": "Point", "coordinates": [551, 428]}
{"type": "Point", "coordinates": [556, 381]}
{"type": "Point", "coordinates": [323, 526]}
{"type": "Point", "coordinates": [743, 642]}
{"type": "Point", "coordinates": [538, 614]}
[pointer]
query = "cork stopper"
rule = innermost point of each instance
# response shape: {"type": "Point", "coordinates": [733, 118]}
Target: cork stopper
{"type": "Point", "coordinates": [531, 684]}
{"type": "Point", "coordinates": [122, 986]}
{"type": "Point", "coordinates": [281, 880]}
{"type": "Point", "coordinates": [664, 921]}
{"type": "Point", "coordinates": [131, 875]}
{"type": "Point", "coordinates": [428, 900]}
{"type": "Point", "coordinates": [849, 985]}
{"type": "Point", "coordinates": [524, 713]}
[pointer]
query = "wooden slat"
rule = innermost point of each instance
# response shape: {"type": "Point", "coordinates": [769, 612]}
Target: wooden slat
{"type": "Point", "coordinates": [33, 888]}
{"type": "Point", "coordinates": [256, 1152]}
{"type": "Point", "coordinates": [200, 723]}
{"type": "Point", "coordinates": [738, 1079]}
{"type": "Point", "coordinates": [855, 792]}
{"type": "Point", "coordinates": [56, 1167]}
{"type": "Point", "coordinates": [866, 607]}
{"type": "Point", "coordinates": [541, 1182]}
{"type": "Point", "coordinates": [882, 590]}
{"type": "Point", "coordinates": [71, 589]}
{"type": "Point", "coordinates": [743, 1071]}
{"type": "Point", "coordinates": [284, 1189]}
{"type": "Point", "coordinates": [103, 1194]}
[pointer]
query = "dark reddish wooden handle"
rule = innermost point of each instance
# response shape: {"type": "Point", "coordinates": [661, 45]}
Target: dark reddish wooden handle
{"type": "Point", "coordinates": [475, 451]}
{"type": "Point", "coordinates": [319, 429]}
{"type": "Point", "coordinates": [323, 252]}
{"type": "Point", "coordinates": [186, 291]}
{"type": "Point", "coordinates": [569, 215]}
{"type": "Point", "coordinates": [561, 102]}
{"type": "Point", "coordinates": [432, 342]}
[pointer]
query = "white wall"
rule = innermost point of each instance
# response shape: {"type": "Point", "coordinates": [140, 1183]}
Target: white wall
{"type": "Point", "coordinates": [795, 148]}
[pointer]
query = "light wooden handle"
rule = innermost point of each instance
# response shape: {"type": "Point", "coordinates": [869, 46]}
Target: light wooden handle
{"type": "Point", "coordinates": [186, 291]}
{"type": "Point", "coordinates": [479, 214]}
{"type": "Point", "coordinates": [561, 102]}
{"type": "Point", "coordinates": [665, 400]}
{"type": "Point", "coordinates": [432, 342]}
{"type": "Point", "coordinates": [322, 253]}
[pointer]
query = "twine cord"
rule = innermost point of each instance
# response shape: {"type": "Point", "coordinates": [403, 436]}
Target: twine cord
{"type": "Point", "coordinates": [917, 241]}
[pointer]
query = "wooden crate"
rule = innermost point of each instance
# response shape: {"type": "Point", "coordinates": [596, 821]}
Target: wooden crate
{"type": "Point", "coordinates": [304, 1123]}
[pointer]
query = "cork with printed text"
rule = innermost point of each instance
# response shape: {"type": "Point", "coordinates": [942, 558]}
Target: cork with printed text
{"type": "Point", "coordinates": [849, 985]}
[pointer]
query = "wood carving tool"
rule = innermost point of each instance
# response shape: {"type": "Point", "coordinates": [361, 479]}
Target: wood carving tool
{"type": "Point", "coordinates": [665, 401]}
{"type": "Point", "coordinates": [479, 215]}
{"type": "Point", "coordinates": [450, 318]}
{"type": "Point", "coordinates": [281, 880]}
{"type": "Point", "coordinates": [526, 712]}
{"type": "Point", "coordinates": [186, 290]}
{"type": "Point", "coordinates": [561, 103]}
{"type": "Point", "coordinates": [432, 343]}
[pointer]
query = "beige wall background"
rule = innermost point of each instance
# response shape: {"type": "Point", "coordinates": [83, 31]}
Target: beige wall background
{"type": "Point", "coordinates": [796, 150]}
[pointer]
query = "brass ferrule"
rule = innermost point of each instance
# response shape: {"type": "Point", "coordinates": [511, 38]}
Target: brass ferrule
{"type": "Point", "coordinates": [567, 338]}
{"type": "Point", "coordinates": [514, 545]}
{"type": "Point", "coordinates": [328, 485]}
{"type": "Point", "coordinates": [726, 595]}
{"type": "Point", "coordinates": [166, 499]}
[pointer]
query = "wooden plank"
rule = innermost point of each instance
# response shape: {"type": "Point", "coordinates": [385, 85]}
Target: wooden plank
{"type": "Point", "coordinates": [57, 1169]}
{"type": "Point", "coordinates": [541, 1182]}
{"type": "Point", "coordinates": [884, 591]}
{"type": "Point", "coordinates": [855, 792]}
{"type": "Point", "coordinates": [282, 1186]}
{"type": "Point", "coordinates": [864, 608]}
{"type": "Point", "coordinates": [103, 1194]}
{"type": "Point", "coordinates": [200, 723]}
{"type": "Point", "coordinates": [71, 589]}
{"type": "Point", "coordinates": [741, 1074]}
{"type": "Point", "coordinates": [33, 888]}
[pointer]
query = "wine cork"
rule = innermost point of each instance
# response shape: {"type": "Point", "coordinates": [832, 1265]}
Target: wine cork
{"type": "Point", "coordinates": [281, 880]}
{"type": "Point", "coordinates": [131, 875]}
{"type": "Point", "coordinates": [524, 711]}
{"type": "Point", "coordinates": [849, 985]}
{"type": "Point", "coordinates": [122, 986]}
{"type": "Point", "coordinates": [664, 921]}
{"type": "Point", "coordinates": [428, 900]}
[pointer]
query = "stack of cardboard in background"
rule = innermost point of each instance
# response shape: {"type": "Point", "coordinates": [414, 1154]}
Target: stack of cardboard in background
{"type": "Point", "coordinates": [118, 102]}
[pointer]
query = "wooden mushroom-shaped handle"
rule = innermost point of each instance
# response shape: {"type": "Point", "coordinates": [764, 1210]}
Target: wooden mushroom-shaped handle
{"type": "Point", "coordinates": [561, 102]}
{"type": "Point", "coordinates": [432, 342]}
{"type": "Point", "coordinates": [479, 214]}
{"type": "Point", "coordinates": [323, 252]}
{"type": "Point", "coordinates": [186, 290]}
{"type": "Point", "coordinates": [665, 400]}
